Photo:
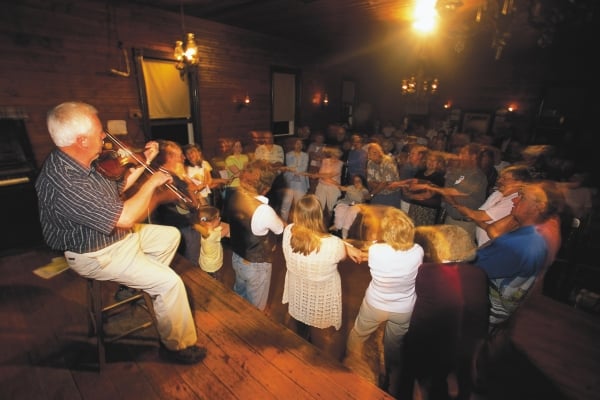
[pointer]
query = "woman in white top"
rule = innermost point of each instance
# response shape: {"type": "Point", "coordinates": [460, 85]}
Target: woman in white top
{"type": "Point", "coordinates": [198, 169]}
{"type": "Point", "coordinates": [313, 285]}
{"type": "Point", "coordinates": [390, 297]}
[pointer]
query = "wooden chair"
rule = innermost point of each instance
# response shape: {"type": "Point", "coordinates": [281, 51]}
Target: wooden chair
{"type": "Point", "coordinates": [100, 315]}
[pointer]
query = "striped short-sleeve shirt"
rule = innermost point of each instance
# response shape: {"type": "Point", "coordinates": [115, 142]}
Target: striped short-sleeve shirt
{"type": "Point", "coordinates": [79, 208]}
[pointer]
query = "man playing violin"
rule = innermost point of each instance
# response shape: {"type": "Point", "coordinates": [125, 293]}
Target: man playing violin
{"type": "Point", "coordinates": [83, 214]}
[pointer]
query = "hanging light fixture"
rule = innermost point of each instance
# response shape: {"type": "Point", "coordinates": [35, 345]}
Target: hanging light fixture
{"type": "Point", "coordinates": [186, 51]}
{"type": "Point", "coordinates": [420, 86]}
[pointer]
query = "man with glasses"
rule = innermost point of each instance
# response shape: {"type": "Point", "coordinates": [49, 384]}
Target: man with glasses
{"type": "Point", "coordinates": [516, 258]}
{"type": "Point", "coordinates": [514, 262]}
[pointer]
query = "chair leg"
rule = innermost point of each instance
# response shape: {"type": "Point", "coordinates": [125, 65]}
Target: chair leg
{"type": "Point", "coordinates": [95, 294]}
{"type": "Point", "coordinates": [100, 314]}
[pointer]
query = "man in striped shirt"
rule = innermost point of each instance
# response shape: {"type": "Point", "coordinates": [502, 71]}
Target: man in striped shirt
{"type": "Point", "coordinates": [83, 214]}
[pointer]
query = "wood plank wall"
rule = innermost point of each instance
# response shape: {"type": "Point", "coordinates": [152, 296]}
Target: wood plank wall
{"type": "Point", "coordinates": [64, 49]}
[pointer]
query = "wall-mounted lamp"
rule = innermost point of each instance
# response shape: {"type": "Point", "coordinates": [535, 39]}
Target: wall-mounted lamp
{"type": "Point", "coordinates": [320, 99]}
{"type": "Point", "coordinates": [245, 102]}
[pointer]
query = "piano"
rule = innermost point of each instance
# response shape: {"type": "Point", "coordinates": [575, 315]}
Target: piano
{"type": "Point", "coordinates": [19, 218]}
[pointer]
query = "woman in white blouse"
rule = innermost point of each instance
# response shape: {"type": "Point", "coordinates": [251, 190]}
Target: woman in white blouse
{"type": "Point", "coordinates": [313, 285]}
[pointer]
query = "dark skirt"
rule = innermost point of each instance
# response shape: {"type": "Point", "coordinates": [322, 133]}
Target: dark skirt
{"type": "Point", "coordinates": [422, 215]}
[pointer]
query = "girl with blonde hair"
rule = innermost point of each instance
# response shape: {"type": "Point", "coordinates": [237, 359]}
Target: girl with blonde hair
{"type": "Point", "coordinates": [312, 286]}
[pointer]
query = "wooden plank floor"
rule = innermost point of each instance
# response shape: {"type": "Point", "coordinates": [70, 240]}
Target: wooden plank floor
{"type": "Point", "coordinates": [45, 352]}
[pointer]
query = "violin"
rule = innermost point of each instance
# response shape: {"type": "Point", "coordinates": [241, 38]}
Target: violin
{"type": "Point", "coordinates": [113, 164]}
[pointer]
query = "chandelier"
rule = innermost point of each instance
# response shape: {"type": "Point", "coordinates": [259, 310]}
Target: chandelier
{"type": "Point", "coordinates": [186, 54]}
{"type": "Point", "coordinates": [420, 86]}
{"type": "Point", "coordinates": [186, 51]}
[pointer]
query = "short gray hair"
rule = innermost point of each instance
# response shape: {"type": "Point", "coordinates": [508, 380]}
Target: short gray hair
{"type": "Point", "coordinates": [68, 120]}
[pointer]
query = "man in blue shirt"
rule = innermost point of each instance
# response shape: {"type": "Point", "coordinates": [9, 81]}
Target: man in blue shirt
{"type": "Point", "coordinates": [356, 161]}
{"type": "Point", "coordinates": [515, 259]}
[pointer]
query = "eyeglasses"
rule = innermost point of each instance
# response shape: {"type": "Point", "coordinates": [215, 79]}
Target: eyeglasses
{"type": "Point", "coordinates": [206, 219]}
{"type": "Point", "coordinates": [522, 197]}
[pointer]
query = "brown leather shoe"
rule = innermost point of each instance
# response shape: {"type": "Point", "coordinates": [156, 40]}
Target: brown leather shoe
{"type": "Point", "coordinates": [189, 355]}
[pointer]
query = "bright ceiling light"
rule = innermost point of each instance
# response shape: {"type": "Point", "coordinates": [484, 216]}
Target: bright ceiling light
{"type": "Point", "coordinates": [425, 16]}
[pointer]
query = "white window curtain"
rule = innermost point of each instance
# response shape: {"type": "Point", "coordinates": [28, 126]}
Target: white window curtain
{"type": "Point", "coordinates": [168, 94]}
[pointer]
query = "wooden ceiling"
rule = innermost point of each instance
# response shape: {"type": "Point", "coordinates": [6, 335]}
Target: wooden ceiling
{"type": "Point", "coordinates": [337, 25]}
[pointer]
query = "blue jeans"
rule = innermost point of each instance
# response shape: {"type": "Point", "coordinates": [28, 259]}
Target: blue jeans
{"type": "Point", "coordinates": [190, 239]}
{"type": "Point", "coordinates": [252, 280]}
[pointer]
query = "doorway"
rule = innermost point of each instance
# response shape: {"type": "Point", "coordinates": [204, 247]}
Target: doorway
{"type": "Point", "coordinates": [285, 98]}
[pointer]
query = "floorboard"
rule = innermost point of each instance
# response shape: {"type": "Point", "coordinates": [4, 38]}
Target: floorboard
{"type": "Point", "coordinates": [45, 351]}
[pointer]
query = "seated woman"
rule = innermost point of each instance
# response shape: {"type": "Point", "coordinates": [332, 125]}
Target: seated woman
{"type": "Point", "coordinates": [199, 171]}
{"type": "Point", "coordinates": [347, 208]}
{"type": "Point", "coordinates": [450, 315]}
{"type": "Point", "coordinates": [171, 210]}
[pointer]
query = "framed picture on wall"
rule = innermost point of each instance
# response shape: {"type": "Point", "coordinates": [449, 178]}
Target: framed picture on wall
{"type": "Point", "coordinates": [476, 123]}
